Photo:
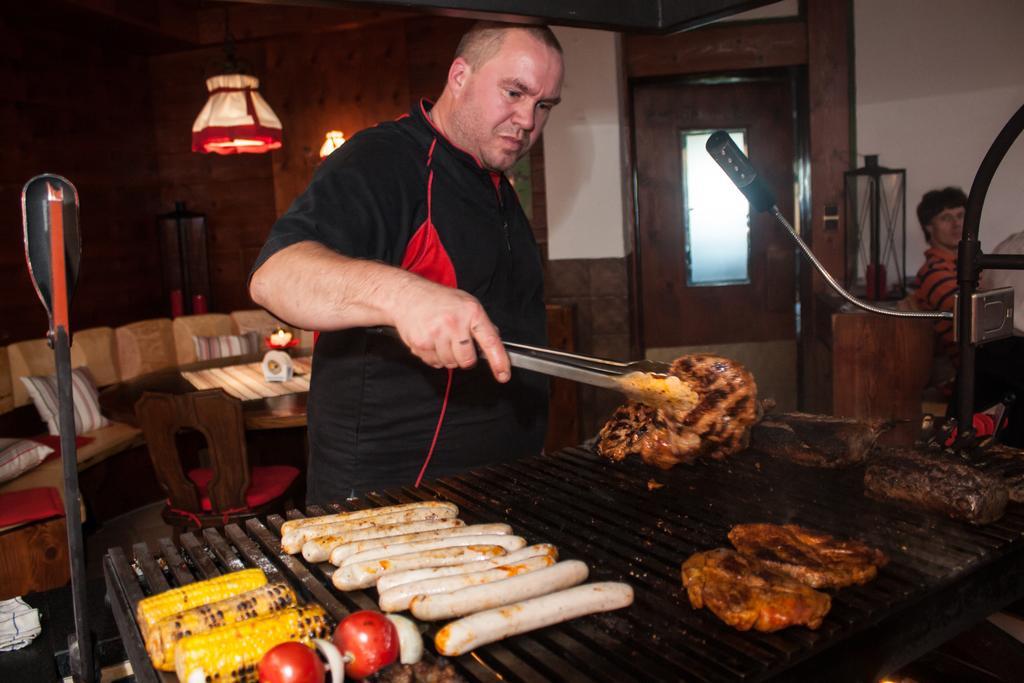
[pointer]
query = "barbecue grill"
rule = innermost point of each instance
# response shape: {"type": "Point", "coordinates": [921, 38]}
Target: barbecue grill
{"type": "Point", "coordinates": [943, 575]}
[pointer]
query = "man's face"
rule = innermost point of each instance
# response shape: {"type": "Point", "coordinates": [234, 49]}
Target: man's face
{"type": "Point", "coordinates": [502, 105]}
{"type": "Point", "coordinates": [946, 228]}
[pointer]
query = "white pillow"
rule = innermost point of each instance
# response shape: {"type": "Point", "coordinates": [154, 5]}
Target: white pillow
{"type": "Point", "coordinates": [43, 391]}
{"type": "Point", "coordinates": [20, 455]}
{"type": "Point", "coordinates": [208, 348]}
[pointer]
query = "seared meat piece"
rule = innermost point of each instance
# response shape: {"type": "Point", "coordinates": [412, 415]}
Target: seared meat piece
{"type": "Point", "coordinates": [816, 440]}
{"type": "Point", "coordinates": [746, 593]}
{"type": "Point", "coordinates": [817, 559]}
{"type": "Point", "coordinates": [439, 671]}
{"type": "Point", "coordinates": [717, 426]}
{"type": "Point", "coordinates": [938, 484]}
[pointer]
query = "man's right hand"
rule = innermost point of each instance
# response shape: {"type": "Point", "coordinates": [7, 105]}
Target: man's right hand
{"type": "Point", "coordinates": [315, 288]}
{"type": "Point", "coordinates": [444, 326]}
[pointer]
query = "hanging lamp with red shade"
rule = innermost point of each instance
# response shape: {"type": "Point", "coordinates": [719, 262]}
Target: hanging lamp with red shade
{"type": "Point", "coordinates": [235, 119]}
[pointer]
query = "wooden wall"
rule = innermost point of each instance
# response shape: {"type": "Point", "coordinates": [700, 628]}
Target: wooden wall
{"type": "Point", "coordinates": [79, 107]}
{"type": "Point", "coordinates": [93, 106]}
{"type": "Point", "coordinates": [235, 192]}
{"type": "Point", "coordinates": [345, 80]}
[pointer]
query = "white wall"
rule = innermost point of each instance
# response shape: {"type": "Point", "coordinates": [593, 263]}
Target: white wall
{"type": "Point", "coordinates": [936, 81]}
{"type": "Point", "coordinates": [583, 150]}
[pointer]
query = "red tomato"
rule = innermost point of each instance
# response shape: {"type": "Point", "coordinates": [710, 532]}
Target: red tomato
{"type": "Point", "coordinates": [369, 639]}
{"type": "Point", "coordinates": [291, 663]}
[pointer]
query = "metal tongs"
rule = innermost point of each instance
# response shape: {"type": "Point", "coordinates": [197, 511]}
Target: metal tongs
{"type": "Point", "coordinates": [647, 381]}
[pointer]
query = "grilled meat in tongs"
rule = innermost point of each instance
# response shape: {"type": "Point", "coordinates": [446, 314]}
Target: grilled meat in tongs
{"type": "Point", "coordinates": [646, 381]}
{"type": "Point", "coordinates": [716, 426]}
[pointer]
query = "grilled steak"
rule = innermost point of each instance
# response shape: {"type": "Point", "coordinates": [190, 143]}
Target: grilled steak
{"type": "Point", "coordinates": [938, 484]}
{"type": "Point", "coordinates": [817, 559]}
{"type": "Point", "coordinates": [746, 593]}
{"type": "Point", "coordinates": [439, 671]}
{"type": "Point", "coordinates": [816, 440]}
{"type": "Point", "coordinates": [717, 426]}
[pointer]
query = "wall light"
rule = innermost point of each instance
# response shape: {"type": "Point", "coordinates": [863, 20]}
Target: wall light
{"type": "Point", "coordinates": [333, 140]}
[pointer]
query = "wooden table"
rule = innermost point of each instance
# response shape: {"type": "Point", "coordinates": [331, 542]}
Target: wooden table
{"type": "Point", "coordinates": [277, 412]}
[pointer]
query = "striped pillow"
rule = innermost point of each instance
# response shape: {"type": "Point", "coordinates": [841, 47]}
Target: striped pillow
{"type": "Point", "coordinates": [43, 391]}
{"type": "Point", "coordinates": [208, 348]}
{"type": "Point", "coordinates": [20, 455]}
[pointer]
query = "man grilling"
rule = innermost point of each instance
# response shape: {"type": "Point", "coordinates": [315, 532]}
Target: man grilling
{"type": "Point", "coordinates": [412, 224]}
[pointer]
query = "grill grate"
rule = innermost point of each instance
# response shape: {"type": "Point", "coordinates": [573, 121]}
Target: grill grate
{"type": "Point", "coordinates": [604, 514]}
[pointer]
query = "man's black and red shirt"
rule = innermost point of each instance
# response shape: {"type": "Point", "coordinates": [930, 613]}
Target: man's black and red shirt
{"type": "Point", "coordinates": [402, 194]}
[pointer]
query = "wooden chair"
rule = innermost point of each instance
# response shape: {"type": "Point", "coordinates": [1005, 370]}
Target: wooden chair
{"type": "Point", "coordinates": [228, 491]}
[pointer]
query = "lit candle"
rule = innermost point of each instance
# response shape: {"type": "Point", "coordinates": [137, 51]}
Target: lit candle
{"type": "Point", "coordinates": [280, 337]}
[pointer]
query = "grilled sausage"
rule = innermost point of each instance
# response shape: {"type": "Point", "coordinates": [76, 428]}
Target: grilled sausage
{"type": "Point", "coordinates": [505, 592]}
{"type": "Point", "coordinates": [293, 524]}
{"type": "Point", "coordinates": [509, 543]}
{"type": "Point", "coordinates": [365, 574]}
{"type": "Point", "coordinates": [479, 629]}
{"type": "Point", "coordinates": [398, 598]}
{"type": "Point", "coordinates": [293, 541]}
{"type": "Point", "coordinates": [319, 549]}
{"type": "Point", "coordinates": [340, 552]}
{"type": "Point", "coordinates": [389, 581]}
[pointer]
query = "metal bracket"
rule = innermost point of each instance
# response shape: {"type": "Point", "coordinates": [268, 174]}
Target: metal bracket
{"type": "Point", "coordinates": [991, 315]}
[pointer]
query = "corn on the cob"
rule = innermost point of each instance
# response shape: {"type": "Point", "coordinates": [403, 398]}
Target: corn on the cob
{"type": "Point", "coordinates": [156, 607]}
{"type": "Point", "coordinates": [232, 652]}
{"type": "Point", "coordinates": [163, 636]}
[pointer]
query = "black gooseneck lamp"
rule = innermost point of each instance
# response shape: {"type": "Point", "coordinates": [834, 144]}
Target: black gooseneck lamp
{"type": "Point", "coordinates": [979, 316]}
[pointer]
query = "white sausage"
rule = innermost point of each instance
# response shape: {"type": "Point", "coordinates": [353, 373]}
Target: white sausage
{"type": "Point", "coordinates": [293, 524]}
{"type": "Point", "coordinates": [505, 592]}
{"type": "Point", "coordinates": [340, 552]}
{"type": "Point", "coordinates": [365, 574]}
{"type": "Point", "coordinates": [509, 543]}
{"type": "Point", "coordinates": [479, 629]}
{"type": "Point", "coordinates": [318, 549]}
{"type": "Point", "coordinates": [389, 581]}
{"type": "Point", "coordinates": [293, 541]}
{"type": "Point", "coordinates": [399, 597]}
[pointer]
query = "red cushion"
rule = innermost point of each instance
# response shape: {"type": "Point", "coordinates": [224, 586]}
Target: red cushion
{"type": "Point", "coordinates": [53, 441]}
{"type": "Point", "coordinates": [30, 505]}
{"type": "Point", "coordinates": [265, 484]}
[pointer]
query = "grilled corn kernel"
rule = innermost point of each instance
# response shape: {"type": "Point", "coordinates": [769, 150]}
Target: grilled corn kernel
{"type": "Point", "coordinates": [163, 636]}
{"type": "Point", "coordinates": [156, 607]}
{"type": "Point", "coordinates": [232, 652]}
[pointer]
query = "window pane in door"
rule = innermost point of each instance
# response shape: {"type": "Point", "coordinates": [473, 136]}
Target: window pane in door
{"type": "Point", "coordinates": [716, 216]}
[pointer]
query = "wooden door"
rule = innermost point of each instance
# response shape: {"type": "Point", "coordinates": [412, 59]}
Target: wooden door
{"type": "Point", "coordinates": [677, 308]}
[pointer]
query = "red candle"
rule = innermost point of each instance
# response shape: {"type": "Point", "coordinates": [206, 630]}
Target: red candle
{"type": "Point", "coordinates": [177, 303]}
{"type": "Point", "coordinates": [198, 304]}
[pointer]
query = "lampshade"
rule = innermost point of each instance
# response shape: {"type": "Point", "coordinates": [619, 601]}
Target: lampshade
{"type": "Point", "coordinates": [333, 140]}
{"type": "Point", "coordinates": [236, 119]}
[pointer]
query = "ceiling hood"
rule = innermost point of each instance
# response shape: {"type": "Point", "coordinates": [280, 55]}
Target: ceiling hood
{"type": "Point", "coordinates": [653, 16]}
